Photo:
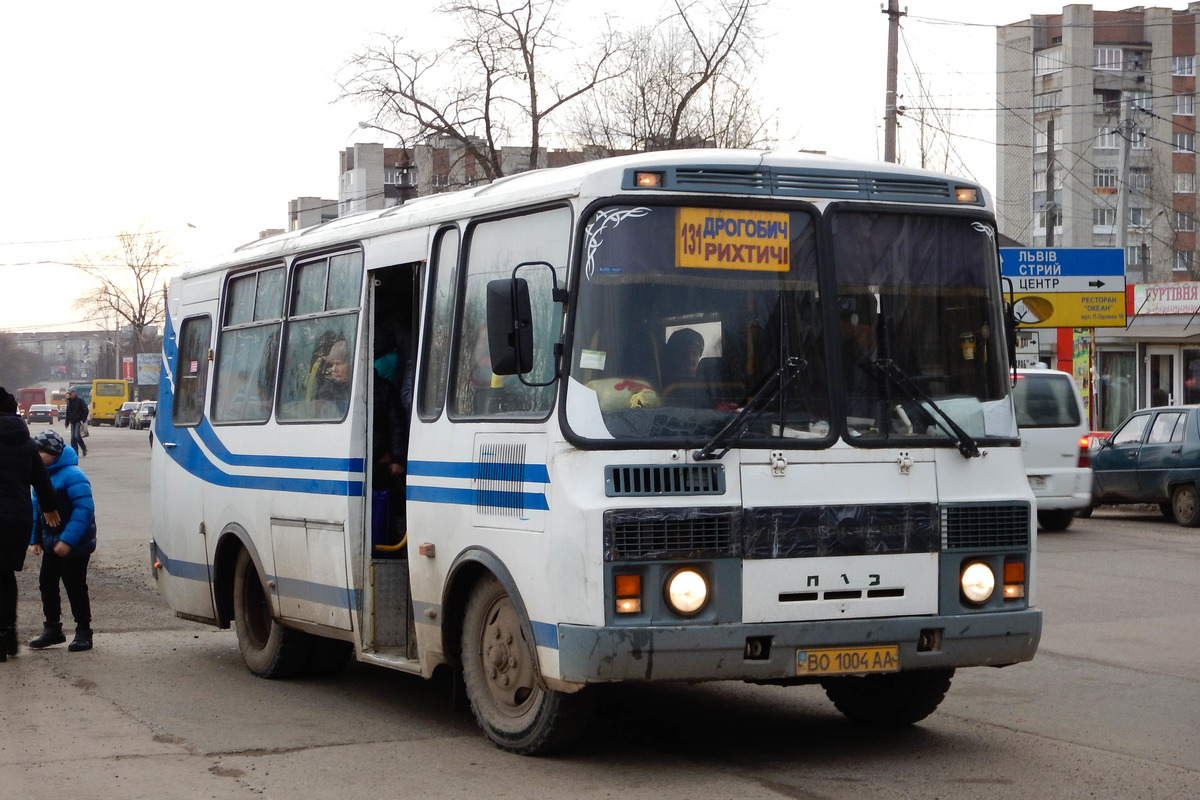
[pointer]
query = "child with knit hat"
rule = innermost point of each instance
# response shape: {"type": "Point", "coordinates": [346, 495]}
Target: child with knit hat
{"type": "Point", "coordinates": [65, 549]}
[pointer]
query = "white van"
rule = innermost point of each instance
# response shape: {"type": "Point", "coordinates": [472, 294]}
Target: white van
{"type": "Point", "coordinates": [1054, 442]}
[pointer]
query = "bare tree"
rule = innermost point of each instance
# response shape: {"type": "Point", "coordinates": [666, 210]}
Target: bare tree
{"type": "Point", "coordinates": [129, 283]}
{"type": "Point", "coordinates": [683, 83]}
{"type": "Point", "coordinates": [491, 87]}
{"type": "Point", "coordinates": [18, 367]}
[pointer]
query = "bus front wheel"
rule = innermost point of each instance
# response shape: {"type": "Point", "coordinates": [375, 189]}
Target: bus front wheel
{"type": "Point", "coordinates": [896, 699]}
{"type": "Point", "coordinates": [269, 649]}
{"type": "Point", "coordinates": [501, 676]}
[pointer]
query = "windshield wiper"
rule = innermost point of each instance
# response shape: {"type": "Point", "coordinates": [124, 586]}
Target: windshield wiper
{"type": "Point", "coordinates": [965, 443]}
{"type": "Point", "coordinates": [760, 400]}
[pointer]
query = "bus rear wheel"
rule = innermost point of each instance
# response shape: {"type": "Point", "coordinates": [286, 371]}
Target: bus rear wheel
{"type": "Point", "coordinates": [269, 649]}
{"type": "Point", "coordinates": [500, 673]}
{"type": "Point", "coordinates": [894, 700]}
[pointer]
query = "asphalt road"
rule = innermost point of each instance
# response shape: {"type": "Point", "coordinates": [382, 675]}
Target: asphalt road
{"type": "Point", "coordinates": [162, 708]}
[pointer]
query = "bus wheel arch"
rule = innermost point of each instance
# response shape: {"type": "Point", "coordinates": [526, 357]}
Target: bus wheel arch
{"type": "Point", "coordinates": [269, 649]}
{"type": "Point", "coordinates": [224, 566]}
{"type": "Point", "coordinates": [487, 626]}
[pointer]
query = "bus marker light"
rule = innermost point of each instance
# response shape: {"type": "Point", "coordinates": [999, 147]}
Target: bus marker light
{"type": "Point", "coordinates": [647, 180]}
{"type": "Point", "coordinates": [966, 194]}
{"type": "Point", "coordinates": [628, 592]}
{"type": "Point", "coordinates": [426, 549]}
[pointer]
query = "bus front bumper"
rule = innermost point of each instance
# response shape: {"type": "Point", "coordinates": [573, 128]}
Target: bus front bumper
{"type": "Point", "coordinates": [723, 652]}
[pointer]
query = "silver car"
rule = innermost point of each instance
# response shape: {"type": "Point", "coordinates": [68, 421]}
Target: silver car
{"type": "Point", "coordinates": [1054, 443]}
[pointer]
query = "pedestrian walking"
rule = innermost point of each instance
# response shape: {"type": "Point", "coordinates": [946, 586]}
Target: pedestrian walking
{"type": "Point", "coordinates": [76, 418]}
{"type": "Point", "coordinates": [20, 469]}
{"type": "Point", "coordinates": [65, 549]}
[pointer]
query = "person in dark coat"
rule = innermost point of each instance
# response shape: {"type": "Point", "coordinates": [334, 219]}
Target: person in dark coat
{"type": "Point", "coordinates": [20, 468]}
{"type": "Point", "coordinates": [76, 416]}
{"type": "Point", "coordinates": [65, 549]}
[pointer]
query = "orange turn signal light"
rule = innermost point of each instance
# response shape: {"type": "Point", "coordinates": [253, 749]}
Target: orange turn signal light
{"type": "Point", "coordinates": [627, 589]}
{"type": "Point", "coordinates": [1014, 580]}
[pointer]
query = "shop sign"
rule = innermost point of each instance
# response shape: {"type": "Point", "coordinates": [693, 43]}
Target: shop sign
{"type": "Point", "coordinates": [1166, 298]}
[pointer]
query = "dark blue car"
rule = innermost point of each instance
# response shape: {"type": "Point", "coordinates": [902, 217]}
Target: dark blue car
{"type": "Point", "coordinates": [1153, 457]}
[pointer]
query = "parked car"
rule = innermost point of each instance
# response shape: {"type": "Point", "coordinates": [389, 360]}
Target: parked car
{"type": "Point", "coordinates": [124, 413]}
{"type": "Point", "coordinates": [41, 412]}
{"type": "Point", "coordinates": [1095, 440]}
{"type": "Point", "coordinates": [1153, 457]}
{"type": "Point", "coordinates": [1054, 443]}
{"type": "Point", "coordinates": [144, 416]}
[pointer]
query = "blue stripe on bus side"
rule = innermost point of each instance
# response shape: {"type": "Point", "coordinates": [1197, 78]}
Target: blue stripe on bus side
{"type": "Point", "coordinates": [529, 473]}
{"type": "Point", "coordinates": [545, 634]}
{"type": "Point", "coordinates": [188, 455]}
{"type": "Point", "coordinates": [213, 442]}
{"type": "Point", "coordinates": [477, 497]}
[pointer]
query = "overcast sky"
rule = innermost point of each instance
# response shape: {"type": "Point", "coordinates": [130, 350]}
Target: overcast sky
{"type": "Point", "coordinates": [202, 121]}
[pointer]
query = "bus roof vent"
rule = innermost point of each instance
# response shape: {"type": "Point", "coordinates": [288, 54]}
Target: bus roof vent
{"type": "Point", "coordinates": [750, 181]}
{"type": "Point", "coordinates": [819, 184]}
{"type": "Point", "coordinates": [658, 480]}
{"type": "Point", "coordinates": [910, 189]}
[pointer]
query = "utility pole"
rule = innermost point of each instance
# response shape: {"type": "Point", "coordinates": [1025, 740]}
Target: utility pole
{"type": "Point", "coordinates": [890, 106]}
{"type": "Point", "coordinates": [1127, 132]}
{"type": "Point", "coordinates": [1051, 206]}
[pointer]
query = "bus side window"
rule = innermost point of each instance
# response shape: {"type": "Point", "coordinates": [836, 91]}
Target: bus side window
{"type": "Point", "coordinates": [318, 355]}
{"type": "Point", "coordinates": [248, 347]}
{"type": "Point", "coordinates": [191, 370]}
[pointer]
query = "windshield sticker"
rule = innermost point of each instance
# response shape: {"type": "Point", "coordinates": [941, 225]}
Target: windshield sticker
{"type": "Point", "coordinates": [605, 219]}
{"type": "Point", "coordinates": [708, 238]}
{"type": "Point", "coordinates": [592, 359]}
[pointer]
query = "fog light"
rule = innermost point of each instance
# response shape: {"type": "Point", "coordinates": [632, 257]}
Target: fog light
{"type": "Point", "coordinates": [978, 582]}
{"type": "Point", "coordinates": [687, 591]}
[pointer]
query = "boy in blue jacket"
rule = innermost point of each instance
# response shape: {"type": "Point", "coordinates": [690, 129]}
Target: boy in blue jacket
{"type": "Point", "coordinates": [65, 549]}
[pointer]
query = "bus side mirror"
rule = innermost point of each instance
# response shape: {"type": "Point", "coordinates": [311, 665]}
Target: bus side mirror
{"type": "Point", "coordinates": [510, 326]}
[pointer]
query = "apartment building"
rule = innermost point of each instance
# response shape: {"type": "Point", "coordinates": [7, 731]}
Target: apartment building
{"type": "Point", "coordinates": [1096, 147]}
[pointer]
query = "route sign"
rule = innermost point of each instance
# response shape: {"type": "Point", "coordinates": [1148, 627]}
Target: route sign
{"type": "Point", "coordinates": [1061, 287]}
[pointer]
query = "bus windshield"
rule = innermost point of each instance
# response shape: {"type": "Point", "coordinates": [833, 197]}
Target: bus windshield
{"type": "Point", "coordinates": [687, 317]}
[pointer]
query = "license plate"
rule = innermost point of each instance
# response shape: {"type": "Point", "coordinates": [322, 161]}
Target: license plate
{"type": "Point", "coordinates": [1037, 482]}
{"type": "Point", "coordinates": [848, 660]}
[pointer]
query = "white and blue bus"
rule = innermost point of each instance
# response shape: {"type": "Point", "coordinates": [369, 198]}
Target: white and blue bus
{"type": "Point", "coordinates": [680, 416]}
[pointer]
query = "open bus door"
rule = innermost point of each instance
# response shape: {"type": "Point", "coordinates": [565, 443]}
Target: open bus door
{"type": "Point", "coordinates": [389, 626]}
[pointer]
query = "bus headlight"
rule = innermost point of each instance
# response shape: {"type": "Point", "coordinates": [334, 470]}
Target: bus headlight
{"type": "Point", "coordinates": [687, 591]}
{"type": "Point", "coordinates": [978, 582]}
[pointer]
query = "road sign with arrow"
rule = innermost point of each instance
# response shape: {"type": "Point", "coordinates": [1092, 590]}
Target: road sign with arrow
{"type": "Point", "coordinates": [1057, 287]}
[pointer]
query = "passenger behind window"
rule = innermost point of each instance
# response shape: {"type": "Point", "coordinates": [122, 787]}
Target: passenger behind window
{"type": "Point", "coordinates": [332, 394]}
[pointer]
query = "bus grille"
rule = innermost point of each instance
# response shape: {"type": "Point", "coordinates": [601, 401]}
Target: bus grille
{"type": "Point", "coordinates": [966, 527]}
{"type": "Point", "coordinates": [662, 533]}
{"type": "Point", "coordinates": [656, 480]}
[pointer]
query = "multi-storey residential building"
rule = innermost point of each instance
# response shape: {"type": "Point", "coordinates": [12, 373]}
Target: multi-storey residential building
{"type": "Point", "coordinates": [1096, 147]}
{"type": "Point", "coordinates": [375, 177]}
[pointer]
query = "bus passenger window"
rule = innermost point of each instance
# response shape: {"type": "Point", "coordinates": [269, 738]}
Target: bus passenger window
{"type": "Point", "coordinates": [317, 368]}
{"type": "Point", "coordinates": [191, 371]}
{"type": "Point", "coordinates": [248, 347]}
